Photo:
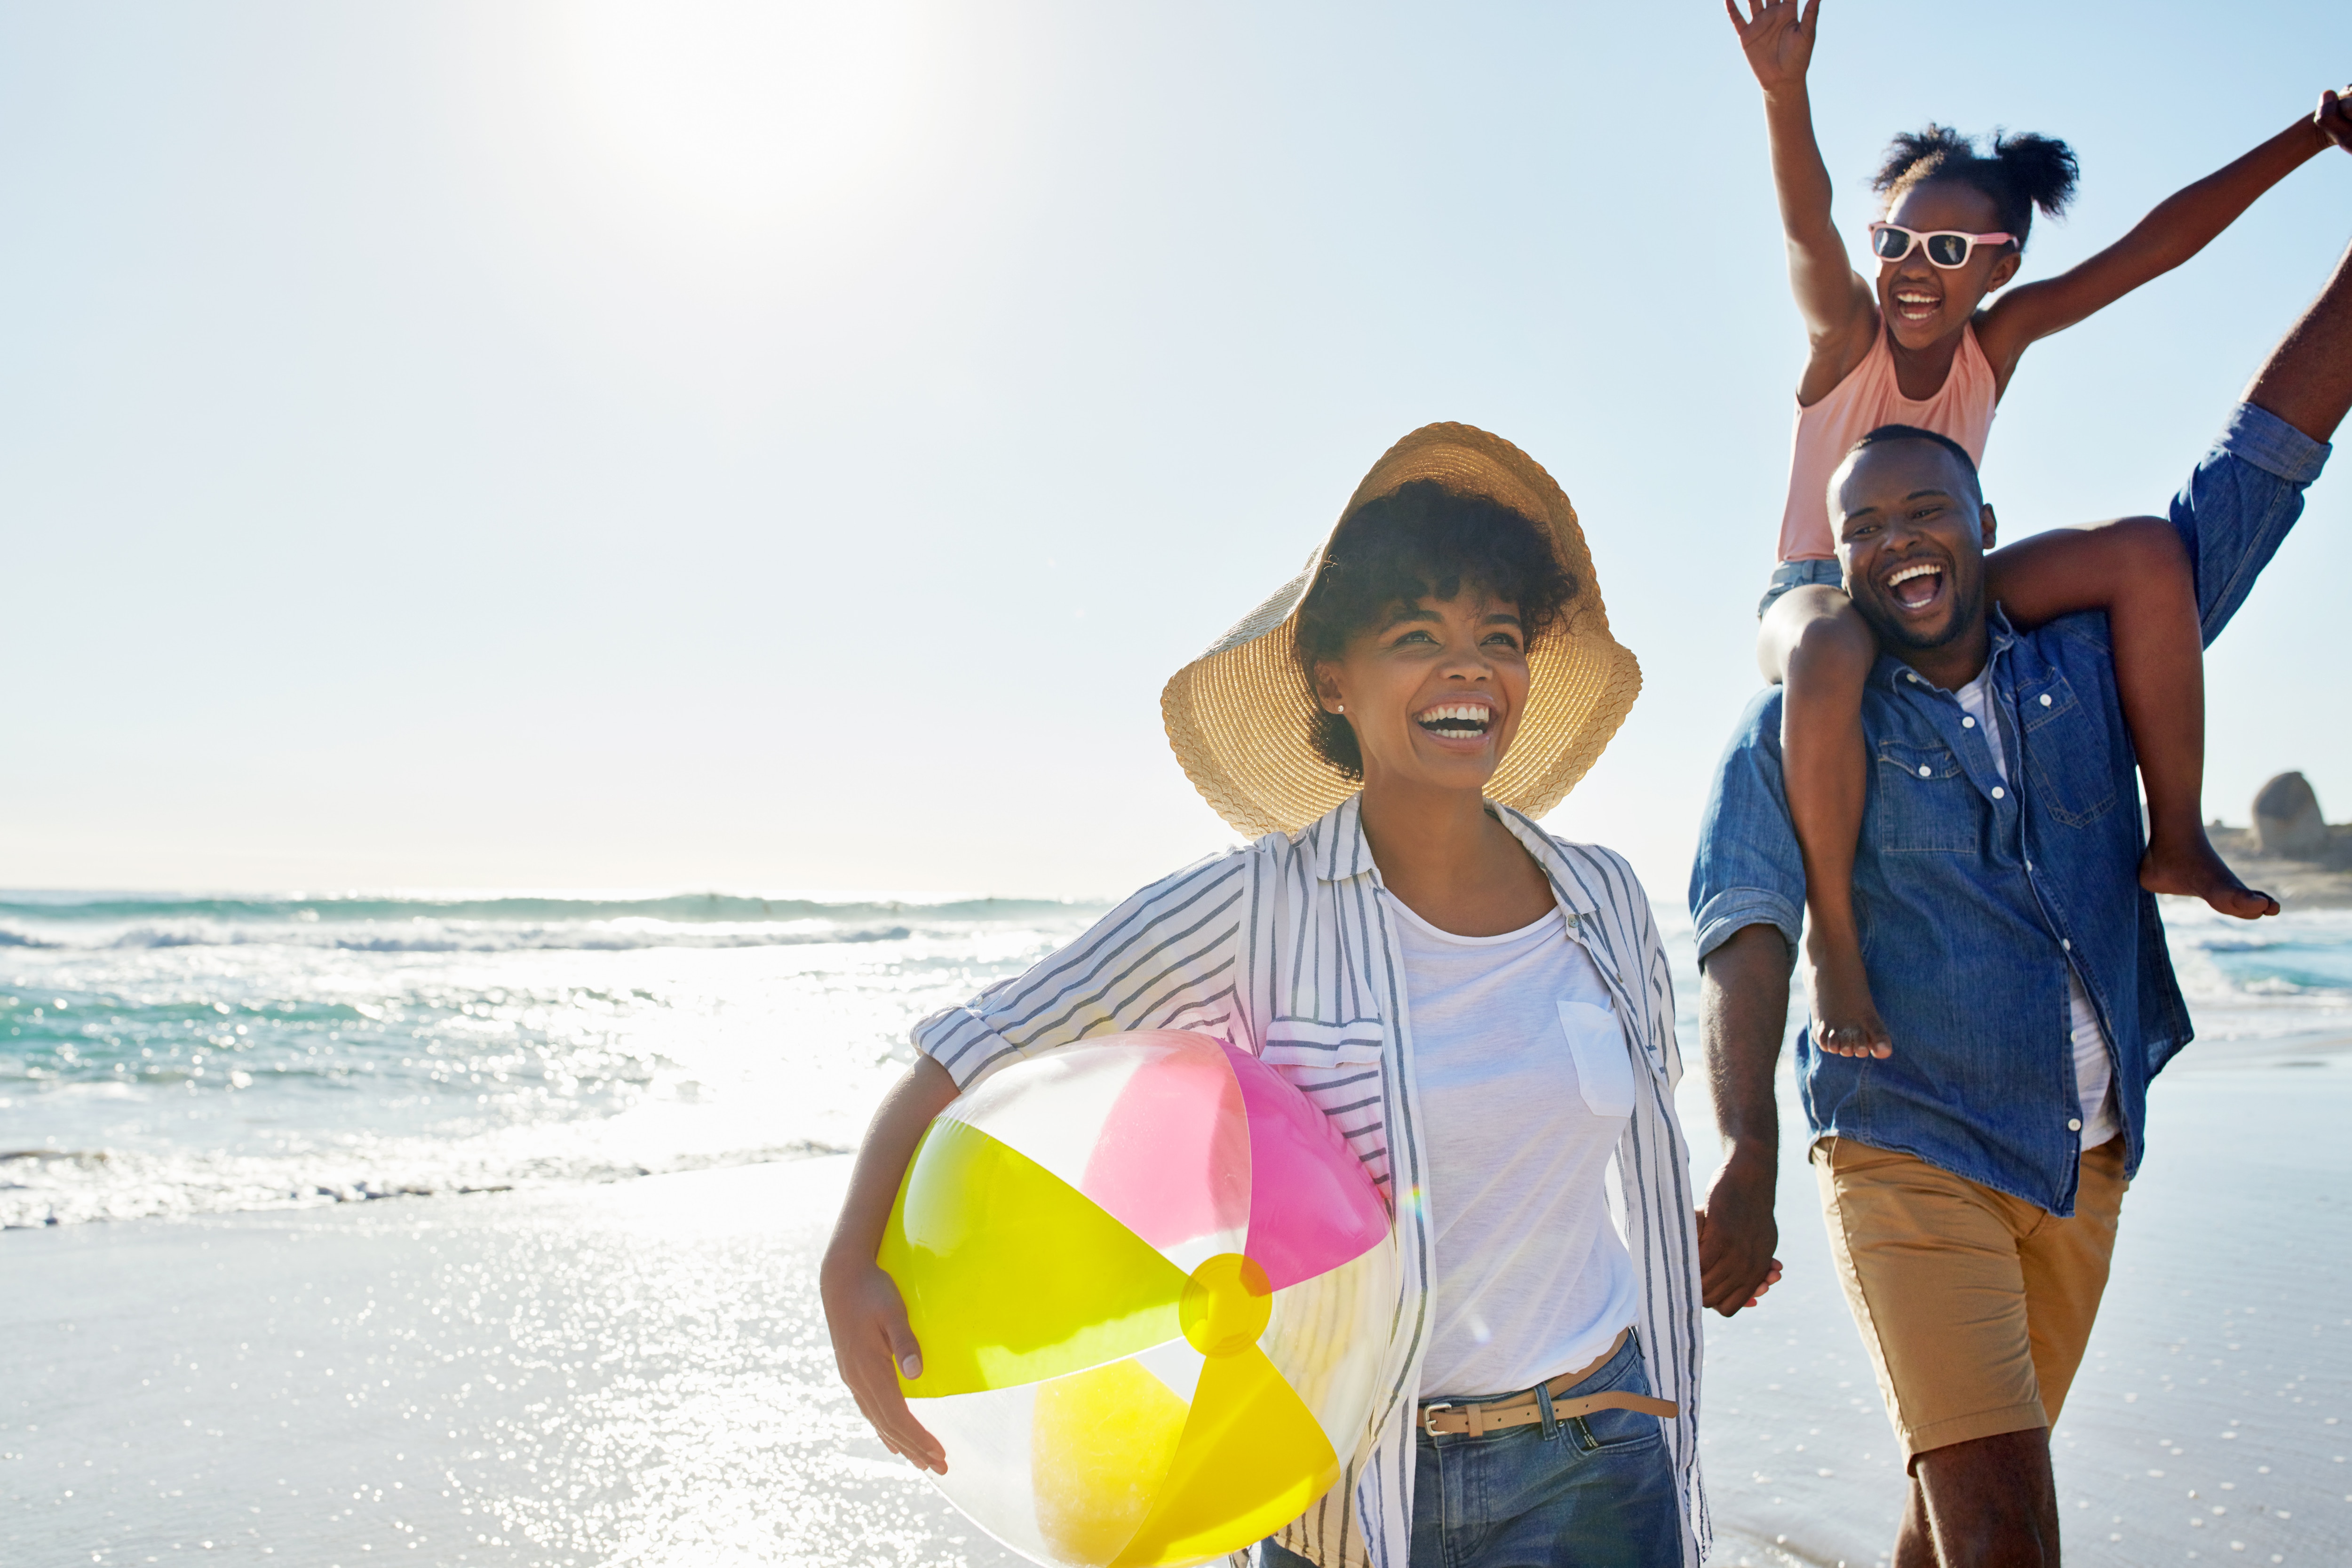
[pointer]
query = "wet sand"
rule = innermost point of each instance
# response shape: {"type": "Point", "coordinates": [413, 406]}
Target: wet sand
{"type": "Point", "coordinates": [637, 1374]}
{"type": "Point", "coordinates": [2213, 1414]}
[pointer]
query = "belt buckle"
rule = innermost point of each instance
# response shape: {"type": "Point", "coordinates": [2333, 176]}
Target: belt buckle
{"type": "Point", "coordinates": [1428, 1415]}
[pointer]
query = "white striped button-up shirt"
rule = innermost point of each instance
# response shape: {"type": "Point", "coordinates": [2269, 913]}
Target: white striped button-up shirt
{"type": "Point", "coordinates": [1283, 950]}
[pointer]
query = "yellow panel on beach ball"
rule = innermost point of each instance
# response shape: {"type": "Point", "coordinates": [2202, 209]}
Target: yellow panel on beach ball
{"type": "Point", "coordinates": [1100, 1442]}
{"type": "Point", "coordinates": [1058, 1284]}
{"type": "Point", "coordinates": [1252, 1458]}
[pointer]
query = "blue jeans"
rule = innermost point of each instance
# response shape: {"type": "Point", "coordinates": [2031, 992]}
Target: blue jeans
{"type": "Point", "coordinates": [1592, 1492]}
{"type": "Point", "coordinates": [1800, 575]}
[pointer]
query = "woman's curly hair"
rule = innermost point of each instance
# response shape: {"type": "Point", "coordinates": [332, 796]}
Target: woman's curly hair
{"type": "Point", "coordinates": [2024, 173]}
{"type": "Point", "coordinates": [1420, 541]}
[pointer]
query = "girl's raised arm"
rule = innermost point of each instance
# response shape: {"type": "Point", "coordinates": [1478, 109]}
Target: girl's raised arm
{"type": "Point", "coordinates": [2176, 229]}
{"type": "Point", "coordinates": [1841, 314]}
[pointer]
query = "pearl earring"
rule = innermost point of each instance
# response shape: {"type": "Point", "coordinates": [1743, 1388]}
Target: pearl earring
{"type": "Point", "coordinates": [1339, 708]}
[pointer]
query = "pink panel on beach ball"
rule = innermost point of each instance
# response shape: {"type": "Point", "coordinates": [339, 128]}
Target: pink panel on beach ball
{"type": "Point", "coordinates": [1172, 1163]}
{"type": "Point", "coordinates": [1310, 1208]}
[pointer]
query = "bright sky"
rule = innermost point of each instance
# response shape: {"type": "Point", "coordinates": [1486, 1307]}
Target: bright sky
{"type": "Point", "coordinates": [789, 446]}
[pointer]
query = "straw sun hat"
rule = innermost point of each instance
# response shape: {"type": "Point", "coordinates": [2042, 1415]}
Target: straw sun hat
{"type": "Point", "coordinates": [1238, 715]}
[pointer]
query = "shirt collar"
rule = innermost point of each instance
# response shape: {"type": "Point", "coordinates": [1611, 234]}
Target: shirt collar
{"type": "Point", "coordinates": [1339, 852]}
{"type": "Point", "coordinates": [1890, 671]}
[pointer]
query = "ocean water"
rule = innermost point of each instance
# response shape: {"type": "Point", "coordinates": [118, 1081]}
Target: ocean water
{"type": "Point", "coordinates": [166, 1055]}
{"type": "Point", "coordinates": [172, 1055]}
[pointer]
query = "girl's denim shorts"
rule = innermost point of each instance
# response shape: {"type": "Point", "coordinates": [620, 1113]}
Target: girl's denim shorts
{"type": "Point", "coordinates": [1800, 575]}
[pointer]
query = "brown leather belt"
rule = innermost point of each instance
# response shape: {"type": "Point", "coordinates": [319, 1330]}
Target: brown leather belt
{"type": "Point", "coordinates": [1444, 1417]}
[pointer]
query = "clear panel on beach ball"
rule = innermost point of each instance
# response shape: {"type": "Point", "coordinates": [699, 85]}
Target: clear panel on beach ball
{"type": "Point", "coordinates": [1327, 1334]}
{"type": "Point", "coordinates": [986, 1438]}
{"type": "Point", "coordinates": [1099, 1451]}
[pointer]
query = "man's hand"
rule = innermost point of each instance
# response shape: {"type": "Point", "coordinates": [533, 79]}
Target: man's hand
{"type": "Point", "coordinates": [1776, 36]}
{"type": "Point", "coordinates": [1743, 1006]}
{"type": "Point", "coordinates": [1737, 1235]}
{"type": "Point", "coordinates": [872, 1344]}
{"type": "Point", "coordinates": [2334, 118]}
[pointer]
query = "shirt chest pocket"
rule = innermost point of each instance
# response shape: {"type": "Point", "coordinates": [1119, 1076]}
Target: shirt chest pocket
{"type": "Point", "coordinates": [2066, 750]}
{"type": "Point", "coordinates": [1922, 801]}
{"type": "Point", "coordinates": [1604, 1064]}
{"type": "Point", "coordinates": [1315, 1055]}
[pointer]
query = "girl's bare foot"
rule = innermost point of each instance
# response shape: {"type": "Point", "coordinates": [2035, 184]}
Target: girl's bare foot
{"type": "Point", "coordinates": [1846, 1020]}
{"type": "Point", "coordinates": [2185, 861]}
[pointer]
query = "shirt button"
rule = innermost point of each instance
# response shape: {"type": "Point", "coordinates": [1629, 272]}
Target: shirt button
{"type": "Point", "coordinates": [2045, 699]}
{"type": "Point", "coordinates": [1911, 677]}
{"type": "Point", "coordinates": [1999, 793]}
{"type": "Point", "coordinates": [2073, 1124]}
{"type": "Point", "coordinates": [1966, 722]}
{"type": "Point", "coordinates": [2067, 943]}
{"type": "Point", "coordinates": [1925, 771]}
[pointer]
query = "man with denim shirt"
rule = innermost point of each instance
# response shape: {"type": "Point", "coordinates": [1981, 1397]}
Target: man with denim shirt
{"type": "Point", "coordinates": [1971, 1178]}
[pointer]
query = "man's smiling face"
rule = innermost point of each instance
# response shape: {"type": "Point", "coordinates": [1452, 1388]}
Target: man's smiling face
{"type": "Point", "coordinates": [1912, 533]}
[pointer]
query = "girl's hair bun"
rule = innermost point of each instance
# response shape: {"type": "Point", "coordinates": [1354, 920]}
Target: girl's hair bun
{"type": "Point", "coordinates": [2024, 173]}
{"type": "Point", "coordinates": [2041, 169]}
{"type": "Point", "coordinates": [1912, 149]}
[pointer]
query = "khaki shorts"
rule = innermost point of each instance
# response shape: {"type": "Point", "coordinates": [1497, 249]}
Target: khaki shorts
{"type": "Point", "coordinates": [1976, 1305]}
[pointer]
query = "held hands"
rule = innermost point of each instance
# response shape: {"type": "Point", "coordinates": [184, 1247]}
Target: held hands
{"type": "Point", "coordinates": [1736, 1234]}
{"type": "Point", "coordinates": [871, 1344]}
{"type": "Point", "coordinates": [1776, 36]}
{"type": "Point", "coordinates": [2333, 119]}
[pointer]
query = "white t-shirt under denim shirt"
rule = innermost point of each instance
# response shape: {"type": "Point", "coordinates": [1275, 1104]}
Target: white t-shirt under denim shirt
{"type": "Point", "coordinates": [2093, 1075]}
{"type": "Point", "coordinates": [1525, 1085]}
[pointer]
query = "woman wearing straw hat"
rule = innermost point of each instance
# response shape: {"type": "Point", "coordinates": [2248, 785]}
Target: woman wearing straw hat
{"type": "Point", "coordinates": [1483, 1011]}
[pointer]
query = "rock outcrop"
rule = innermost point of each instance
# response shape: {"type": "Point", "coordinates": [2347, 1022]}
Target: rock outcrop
{"type": "Point", "coordinates": [2287, 823]}
{"type": "Point", "coordinates": [2291, 852]}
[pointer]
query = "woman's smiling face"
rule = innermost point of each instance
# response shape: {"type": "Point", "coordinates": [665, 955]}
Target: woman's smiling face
{"type": "Point", "coordinates": [1434, 690]}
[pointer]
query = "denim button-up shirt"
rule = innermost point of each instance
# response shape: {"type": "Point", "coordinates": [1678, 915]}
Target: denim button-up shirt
{"type": "Point", "coordinates": [1976, 893]}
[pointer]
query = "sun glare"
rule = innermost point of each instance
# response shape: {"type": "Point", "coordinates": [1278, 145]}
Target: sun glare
{"type": "Point", "coordinates": [751, 112]}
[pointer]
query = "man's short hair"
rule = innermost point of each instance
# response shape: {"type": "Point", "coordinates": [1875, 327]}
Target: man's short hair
{"type": "Point", "coordinates": [1886, 433]}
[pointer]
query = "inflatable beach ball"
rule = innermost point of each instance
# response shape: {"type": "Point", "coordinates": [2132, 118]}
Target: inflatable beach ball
{"type": "Point", "coordinates": [1153, 1288]}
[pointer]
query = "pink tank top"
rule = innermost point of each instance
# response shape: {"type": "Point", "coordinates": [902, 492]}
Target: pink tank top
{"type": "Point", "coordinates": [1867, 398]}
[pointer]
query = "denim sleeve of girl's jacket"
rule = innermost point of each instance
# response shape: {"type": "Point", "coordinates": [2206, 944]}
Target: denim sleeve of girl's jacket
{"type": "Point", "coordinates": [1748, 871]}
{"type": "Point", "coordinates": [2239, 504]}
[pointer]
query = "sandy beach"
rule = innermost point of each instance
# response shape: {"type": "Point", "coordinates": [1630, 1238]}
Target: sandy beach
{"type": "Point", "coordinates": [637, 1374]}
{"type": "Point", "coordinates": [2209, 1418]}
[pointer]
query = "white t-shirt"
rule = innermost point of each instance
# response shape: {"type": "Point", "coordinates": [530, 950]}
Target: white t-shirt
{"type": "Point", "coordinates": [1525, 1085]}
{"type": "Point", "coordinates": [2093, 1074]}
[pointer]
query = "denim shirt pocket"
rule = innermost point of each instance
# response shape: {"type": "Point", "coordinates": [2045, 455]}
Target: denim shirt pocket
{"type": "Point", "coordinates": [2066, 754]}
{"type": "Point", "coordinates": [1925, 802]}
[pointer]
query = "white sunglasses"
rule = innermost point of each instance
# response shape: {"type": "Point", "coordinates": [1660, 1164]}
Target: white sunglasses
{"type": "Point", "coordinates": [1947, 247]}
